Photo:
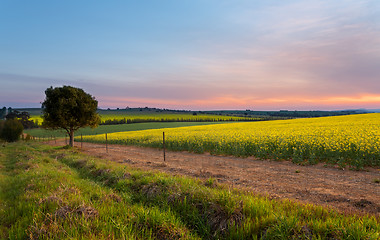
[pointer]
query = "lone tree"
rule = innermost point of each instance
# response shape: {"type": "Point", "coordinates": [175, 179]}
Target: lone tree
{"type": "Point", "coordinates": [69, 108]}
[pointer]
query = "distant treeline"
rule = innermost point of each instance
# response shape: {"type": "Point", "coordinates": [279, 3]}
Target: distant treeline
{"type": "Point", "coordinates": [284, 113]}
{"type": "Point", "coordinates": [308, 114]}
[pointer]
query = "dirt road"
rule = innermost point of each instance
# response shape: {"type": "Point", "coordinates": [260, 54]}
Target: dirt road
{"type": "Point", "coordinates": [346, 190]}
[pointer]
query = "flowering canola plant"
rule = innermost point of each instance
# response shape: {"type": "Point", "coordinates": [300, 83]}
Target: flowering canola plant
{"type": "Point", "coordinates": [352, 139]}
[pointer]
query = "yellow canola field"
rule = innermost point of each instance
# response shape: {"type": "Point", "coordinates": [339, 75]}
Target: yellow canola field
{"type": "Point", "coordinates": [352, 140]}
{"type": "Point", "coordinates": [123, 117]}
{"type": "Point", "coordinates": [176, 117]}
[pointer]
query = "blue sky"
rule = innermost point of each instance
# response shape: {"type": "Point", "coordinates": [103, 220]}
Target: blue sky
{"type": "Point", "coordinates": [193, 54]}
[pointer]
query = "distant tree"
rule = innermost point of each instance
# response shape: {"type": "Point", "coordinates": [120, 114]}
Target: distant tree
{"type": "Point", "coordinates": [10, 130]}
{"type": "Point", "coordinates": [69, 108]}
{"type": "Point", "coordinates": [3, 112]}
{"type": "Point", "coordinates": [12, 115]}
{"type": "Point", "coordinates": [24, 119]}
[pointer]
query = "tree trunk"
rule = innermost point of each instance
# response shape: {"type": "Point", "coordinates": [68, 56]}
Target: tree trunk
{"type": "Point", "coordinates": [71, 134]}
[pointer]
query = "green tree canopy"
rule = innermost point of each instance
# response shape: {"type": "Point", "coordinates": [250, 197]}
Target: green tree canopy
{"type": "Point", "coordinates": [69, 108]}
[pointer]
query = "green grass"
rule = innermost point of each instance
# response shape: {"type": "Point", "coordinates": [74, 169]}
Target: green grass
{"type": "Point", "coordinates": [39, 132]}
{"type": "Point", "coordinates": [56, 193]}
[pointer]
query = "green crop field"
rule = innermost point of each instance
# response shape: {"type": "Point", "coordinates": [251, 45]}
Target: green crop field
{"type": "Point", "coordinates": [345, 140]}
{"type": "Point", "coordinates": [102, 129]}
{"type": "Point", "coordinates": [142, 115]}
{"type": "Point", "coordinates": [56, 193]}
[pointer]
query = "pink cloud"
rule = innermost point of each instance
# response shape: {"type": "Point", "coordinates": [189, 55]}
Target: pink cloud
{"type": "Point", "coordinates": [230, 102]}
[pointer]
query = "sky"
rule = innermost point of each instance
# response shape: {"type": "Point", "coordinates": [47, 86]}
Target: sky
{"type": "Point", "coordinates": [194, 54]}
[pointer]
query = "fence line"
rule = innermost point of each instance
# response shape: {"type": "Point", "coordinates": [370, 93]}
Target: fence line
{"type": "Point", "coordinates": [163, 144]}
{"type": "Point", "coordinates": [106, 144]}
{"type": "Point", "coordinates": [51, 138]}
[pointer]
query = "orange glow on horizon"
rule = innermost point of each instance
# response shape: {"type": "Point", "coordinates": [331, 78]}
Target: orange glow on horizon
{"type": "Point", "coordinates": [231, 102]}
{"type": "Point", "coordinates": [361, 99]}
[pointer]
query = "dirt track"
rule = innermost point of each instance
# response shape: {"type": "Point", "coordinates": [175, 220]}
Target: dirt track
{"type": "Point", "coordinates": [346, 190]}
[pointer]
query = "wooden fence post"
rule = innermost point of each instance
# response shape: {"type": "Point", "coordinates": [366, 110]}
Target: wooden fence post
{"type": "Point", "coordinates": [106, 144]}
{"type": "Point", "coordinates": [163, 143]}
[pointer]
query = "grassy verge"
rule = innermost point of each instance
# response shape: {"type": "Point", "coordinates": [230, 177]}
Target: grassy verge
{"type": "Point", "coordinates": [102, 129]}
{"type": "Point", "coordinates": [56, 193]}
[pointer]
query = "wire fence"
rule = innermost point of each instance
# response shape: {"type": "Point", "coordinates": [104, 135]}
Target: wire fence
{"type": "Point", "coordinates": [81, 143]}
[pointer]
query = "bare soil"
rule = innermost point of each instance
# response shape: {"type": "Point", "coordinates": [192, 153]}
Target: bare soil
{"type": "Point", "coordinates": [352, 192]}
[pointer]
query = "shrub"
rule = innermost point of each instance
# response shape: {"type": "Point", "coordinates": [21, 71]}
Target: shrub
{"type": "Point", "coordinates": [1, 129]}
{"type": "Point", "coordinates": [11, 130]}
{"type": "Point", "coordinates": [1, 126]}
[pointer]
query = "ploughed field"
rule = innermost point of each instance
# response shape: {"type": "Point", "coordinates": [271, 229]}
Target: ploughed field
{"type": "Point", "coordinates": [352, 140]}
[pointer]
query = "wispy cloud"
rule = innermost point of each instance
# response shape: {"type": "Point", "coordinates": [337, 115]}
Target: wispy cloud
{"type": "Point", "coordinates": [307, 49]}
{"type": "Point", "coordinates": [245, 54]}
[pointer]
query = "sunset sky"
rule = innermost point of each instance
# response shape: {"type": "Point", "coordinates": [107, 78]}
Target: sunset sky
{"type": "Point", "coordinates": [194, 54]}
